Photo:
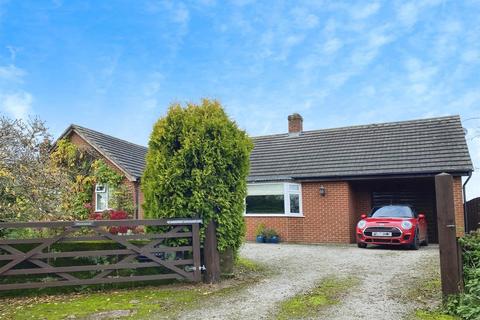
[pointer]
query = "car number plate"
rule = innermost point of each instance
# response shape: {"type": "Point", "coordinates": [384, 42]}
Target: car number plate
{"type": "Point", "coordinates": [381, 234]}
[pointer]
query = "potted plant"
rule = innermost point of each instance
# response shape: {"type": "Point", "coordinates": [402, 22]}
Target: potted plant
{"type": "Point", "coordinates": [272, 236]}
{"type": "Point", "coordinates": [260, 233]}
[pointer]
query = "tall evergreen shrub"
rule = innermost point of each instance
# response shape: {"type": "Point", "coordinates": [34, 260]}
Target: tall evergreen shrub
{"type": "Point", "coordinates": [197, 164]}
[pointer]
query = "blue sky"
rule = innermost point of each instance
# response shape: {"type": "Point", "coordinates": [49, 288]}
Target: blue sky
{"type": "Point", "coordinates": [115, 66]}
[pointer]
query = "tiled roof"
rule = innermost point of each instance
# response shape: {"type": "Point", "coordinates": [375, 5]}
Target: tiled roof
{"type": "Point", "coordinates": [127, 156]}
{"type": "Point", "coordinates": [424, 146]}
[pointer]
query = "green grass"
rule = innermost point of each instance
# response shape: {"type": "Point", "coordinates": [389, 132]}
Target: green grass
{"type": "Point", "coordinates": [427, 292]}
{"type": "Point", "coordinates": [247, 265]}
{"type": "Point", "coordinates": [424, 291]}
{"type": "Point", "coordinates": [308, 304]}
{"type": "Point", "coordinates": [432, 315]}
{"type": "Point", "coordinates": [143, 303]}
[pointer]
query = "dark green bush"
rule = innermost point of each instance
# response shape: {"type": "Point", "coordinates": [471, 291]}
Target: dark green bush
{"type": "Point", "coordinates": [467, 305]}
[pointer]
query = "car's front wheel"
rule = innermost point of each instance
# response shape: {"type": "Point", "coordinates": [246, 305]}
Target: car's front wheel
{"type": "Point", "coordinates": [416, 242]}
{"type": "Point", "coordinates": [362, 245]}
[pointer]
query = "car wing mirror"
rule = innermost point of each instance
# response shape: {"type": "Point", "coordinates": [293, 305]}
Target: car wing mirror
{"type": "Point", "coordinates": [421, 216]}
{"type": "Point", "coordinates": [363, 216]}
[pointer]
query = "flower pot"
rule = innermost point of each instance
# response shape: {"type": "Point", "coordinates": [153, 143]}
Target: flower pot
{"type": "Point", "coordinates": [260, 239]}
{"type": "Point", "coordinates": [273, 239]}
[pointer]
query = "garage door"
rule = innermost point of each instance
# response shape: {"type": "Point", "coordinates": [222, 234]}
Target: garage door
{"type": "Point", "coordinates": [423, 199]}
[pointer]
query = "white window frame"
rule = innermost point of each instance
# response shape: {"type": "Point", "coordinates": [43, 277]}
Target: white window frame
{"type": "Point", "coordinates": [286, 199]}
{"type": "Point", "coordinates": [107, 196]}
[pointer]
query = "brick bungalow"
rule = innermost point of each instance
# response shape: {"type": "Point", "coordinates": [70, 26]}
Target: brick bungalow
{"type": "Point", "coordinates": [125, 157]}
{"type": "Point", "coordinates": [312, 186]}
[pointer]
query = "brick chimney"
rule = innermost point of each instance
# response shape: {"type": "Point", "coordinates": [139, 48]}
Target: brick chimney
{"type": "Point", "coordinates": [295, 123]}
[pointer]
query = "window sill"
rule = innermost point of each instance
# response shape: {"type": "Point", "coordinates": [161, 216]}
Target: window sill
{"type": "Point", "coordinates": [274, 215]}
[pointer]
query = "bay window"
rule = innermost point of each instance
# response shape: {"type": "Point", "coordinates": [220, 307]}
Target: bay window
{"type": "Point", "coordinates": [273, 199]}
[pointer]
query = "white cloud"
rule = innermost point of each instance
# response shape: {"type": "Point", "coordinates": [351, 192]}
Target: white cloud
{"type": "Point", "coordinates": [13, 52]}
{"type": "Point", "coordinates": [208, 3]}
{"type": "Point", "coordinates": [408, 12]}
{"type": "Point", "coordinates": [362, 56]}
{"type": "Point", "coordinates": [176, 11]}
{"type": "Point", "coordinates": [330, 27]}
{"type": "Point", "coordinates": [153, 85]}
{"type": "Point", "coordinates": [18, 105]}
{"type": "Point", "coordinates": [287, 44]}
{"type": "Point", "coordinates": [332, 45]}
{"type": "Point", "coordinates": [447, 43]}
{"type": "Point", "coordinates": [151, 90]}
{"type": "Point", "coordinates": [304, 19]}
{"type": "Point", "coordinates": [181, 14]}
{"type": "Point", "coordinates": [420, 75]}
{"type": "Point", "coordinates": [11, 73]}
{"type": "Point", "coordinates": [57, 3]}
{"type": "Point", "coordinates": [242, 3]}
{"type": "Point", "coordinates": [365, 11]}
{"type": "Point", "coordinates": [471, 56]}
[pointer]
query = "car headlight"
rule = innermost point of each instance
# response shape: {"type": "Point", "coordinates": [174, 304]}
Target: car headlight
{"type": "Point", "coordinates": [361, 224]}
{"type": "Point", "coordinates": [407, 225]}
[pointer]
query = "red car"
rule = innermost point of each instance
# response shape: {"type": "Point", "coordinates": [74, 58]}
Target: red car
{"type": "Point", "coordinates": [392, 225]}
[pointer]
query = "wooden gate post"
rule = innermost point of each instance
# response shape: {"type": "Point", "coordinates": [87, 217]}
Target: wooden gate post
{"type": "Point", "coordinates": [211, 254]}
{"type": "Point", "coordinates": [450, 256]}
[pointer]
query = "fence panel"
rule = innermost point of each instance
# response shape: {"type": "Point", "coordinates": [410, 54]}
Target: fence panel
{"type": "Point", "coordinates": [473, 214]}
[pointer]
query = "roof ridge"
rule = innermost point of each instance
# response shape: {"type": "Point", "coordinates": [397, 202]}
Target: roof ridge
{"type": "Point", "coordinates": [359, 126]}
{"type": "Point", "coordinates": [108, 135]}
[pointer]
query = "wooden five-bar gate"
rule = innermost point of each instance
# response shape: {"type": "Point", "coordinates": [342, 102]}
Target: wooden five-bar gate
{"type": "Point", "coordinates": [107, 251]}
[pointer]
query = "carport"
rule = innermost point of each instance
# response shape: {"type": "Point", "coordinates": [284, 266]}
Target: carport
{"type": "Point", "coordinates": [416, 191]}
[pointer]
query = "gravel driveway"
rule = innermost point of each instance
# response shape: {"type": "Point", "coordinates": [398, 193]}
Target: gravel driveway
{"type": "Point", "coordinates": [383, 273]}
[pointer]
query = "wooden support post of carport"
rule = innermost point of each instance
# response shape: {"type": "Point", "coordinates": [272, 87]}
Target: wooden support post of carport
{"type": "Point", "coordinates": [450, 253]}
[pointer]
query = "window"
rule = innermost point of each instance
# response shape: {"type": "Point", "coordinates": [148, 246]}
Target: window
{"type": "Point", "coordinates": [393, 211]}
{"type": "Point", "coordinates": [101, 197]}
{"type": "Point", "coordinates": [274, 199]}
{"type": "Point", "coordinates": [294, 193]}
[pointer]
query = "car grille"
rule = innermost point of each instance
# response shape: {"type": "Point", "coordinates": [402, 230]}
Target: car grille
{"type": "Point", "coordinates": [394, 230]}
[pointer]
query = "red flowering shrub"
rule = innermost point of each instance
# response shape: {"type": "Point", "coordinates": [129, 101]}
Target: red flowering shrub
{"type": "Point", "coordinates": [118, 215]}
{"type": "Point", "coordinates": [96, 216]}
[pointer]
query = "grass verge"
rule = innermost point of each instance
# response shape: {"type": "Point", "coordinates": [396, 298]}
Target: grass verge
{"type": "Point", "coordinates": [432, 315]}
{"type": "Point", "coordinates": [308, 304]}
{"type": "Point", "coordinates": [426, 292]}
{"type": "Point", "coordinates": [134, 303]}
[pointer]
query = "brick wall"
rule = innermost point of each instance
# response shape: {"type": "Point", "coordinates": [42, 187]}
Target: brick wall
{"type": "Point", "coordinates": [140, 202]}
{"type": "Point", "coordinates": [333, 218]}
{"type": "Point", "coordinates": [326, 219]}
{"type": "Point", "coordinates": [458, 201]}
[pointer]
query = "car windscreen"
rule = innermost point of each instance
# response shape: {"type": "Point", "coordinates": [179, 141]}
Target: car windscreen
{"type": "Point", "coordinates": [393, 212]}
